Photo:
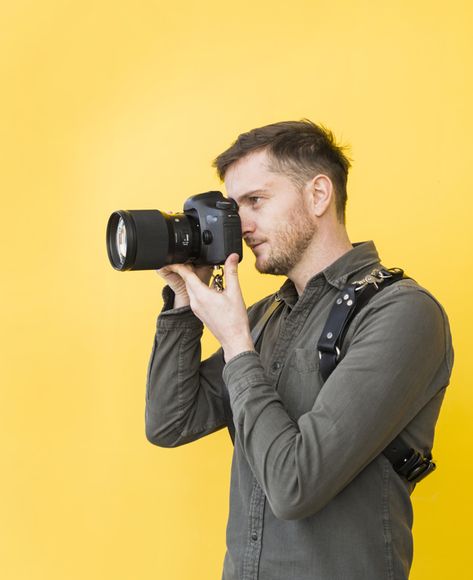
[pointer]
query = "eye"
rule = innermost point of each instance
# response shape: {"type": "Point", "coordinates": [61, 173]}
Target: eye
{"type": "Point", "coordinates": [254, 199]}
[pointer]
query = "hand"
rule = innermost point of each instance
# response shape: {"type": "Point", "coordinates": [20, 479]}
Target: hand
{"type": "Point", "coordinates": [224, 313]}
{"type": "Point", "coordinates": [177, 284]}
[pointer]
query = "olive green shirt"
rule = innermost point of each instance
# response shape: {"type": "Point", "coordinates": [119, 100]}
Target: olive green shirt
{"type": "Point", "coordinates": [311, 494]}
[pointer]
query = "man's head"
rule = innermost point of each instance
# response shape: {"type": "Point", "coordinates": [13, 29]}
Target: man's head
{"type": "Point", "coordinates": [286, 178]}
{"type": "Point", "coordinates": [298, 149]}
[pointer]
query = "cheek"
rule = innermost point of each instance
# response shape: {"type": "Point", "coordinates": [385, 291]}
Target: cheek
{"type": "Point", "coordinates": [247, 218]}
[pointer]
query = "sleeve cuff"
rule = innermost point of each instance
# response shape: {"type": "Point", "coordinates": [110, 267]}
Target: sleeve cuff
{"type": "Point", "coordinates": [171, 317]}
{"type": "Point", "coordinates": [168, 299]}
{"type": "Point", "coordinates": [241, 372]}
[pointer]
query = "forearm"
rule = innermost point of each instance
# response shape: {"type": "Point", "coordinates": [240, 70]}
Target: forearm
{"type": "Point", "coordinates": [288, 462]}
{"type": "Point", "coordinates": [301, 465]}
{"type": "Point", "coordinates": [183, 395]}
{"type": "Point", "coordinates": [377, 389]}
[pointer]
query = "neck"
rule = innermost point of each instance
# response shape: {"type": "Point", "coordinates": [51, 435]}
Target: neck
{"type": "Point", "coordinates": [326, 248]}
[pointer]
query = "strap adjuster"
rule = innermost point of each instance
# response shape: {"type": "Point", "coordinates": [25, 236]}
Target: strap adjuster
{"type": "Point", "coordinates": [415, 467]}
{"type": "Point", "coordinates": [337, 351]}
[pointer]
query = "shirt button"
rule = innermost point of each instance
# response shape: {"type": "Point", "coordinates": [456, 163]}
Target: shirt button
{"type": "Point", "coordinates": [276, 365]}
{"type": "Point", "coordinates": [254, 536]}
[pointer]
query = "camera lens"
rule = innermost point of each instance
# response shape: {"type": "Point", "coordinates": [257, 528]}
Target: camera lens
{"type": "Point", "coordinates": [121, 240]}
{"type": "Point", "coordinates": [151, 239]}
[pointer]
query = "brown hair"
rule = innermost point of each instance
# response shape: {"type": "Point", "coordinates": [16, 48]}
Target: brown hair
{"type": "Point", "coordinates": [299, 149]}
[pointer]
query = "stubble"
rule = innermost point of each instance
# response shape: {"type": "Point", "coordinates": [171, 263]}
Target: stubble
{"type": "Point", "coordinates": [288, 242]}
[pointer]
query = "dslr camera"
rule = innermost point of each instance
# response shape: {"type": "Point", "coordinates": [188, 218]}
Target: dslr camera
{"type": "Point", "coordinates": [206, 233]}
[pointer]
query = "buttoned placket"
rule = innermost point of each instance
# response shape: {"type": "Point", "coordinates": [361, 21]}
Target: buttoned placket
{"type": "Point", "coordinates": [255, 533]}
{"type": "Point", "coordinates": [290, 327]}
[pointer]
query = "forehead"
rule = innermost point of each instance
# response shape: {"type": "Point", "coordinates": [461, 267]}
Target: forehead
{"type": "Point", "coordinates": [250, 173]}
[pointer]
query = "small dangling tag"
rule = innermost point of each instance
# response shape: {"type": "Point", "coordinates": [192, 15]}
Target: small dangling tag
{"type": "Point", "coordinates": [217, 279]}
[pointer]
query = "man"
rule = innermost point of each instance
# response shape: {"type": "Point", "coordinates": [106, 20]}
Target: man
{"type": "Point", "coordinates": [312, 494]}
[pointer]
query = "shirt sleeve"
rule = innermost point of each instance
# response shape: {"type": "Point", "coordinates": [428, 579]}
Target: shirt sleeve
{"type": "Point", "coordinates": [398, 359]}
{"type": "Point", "coordinates": [183, 395]}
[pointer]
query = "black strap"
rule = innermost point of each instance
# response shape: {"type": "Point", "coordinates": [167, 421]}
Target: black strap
{"type": "Point", "coordinates": [406, 461]}
{"type": "Point", "coordinates": [347, 304]}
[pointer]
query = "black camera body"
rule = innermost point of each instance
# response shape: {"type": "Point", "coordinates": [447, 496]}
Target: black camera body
{"type": "Point", "coordinates": [219, 223]}
{"type": "Point", "coordinates": [206, 233]}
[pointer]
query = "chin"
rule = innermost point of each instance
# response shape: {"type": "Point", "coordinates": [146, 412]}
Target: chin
{"type": "Point", "coordinates": [261, 265]}
{"type": "Point", "coordinates": [269, 268]}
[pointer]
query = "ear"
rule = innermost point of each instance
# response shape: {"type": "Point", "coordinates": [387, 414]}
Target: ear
{"type": "Point", "coordinates": [321, 194]}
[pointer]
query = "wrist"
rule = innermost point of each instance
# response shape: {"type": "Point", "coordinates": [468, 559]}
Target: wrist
{"type": "Point", "coordinates": [232, 350]}
{"type": "Point", "coordinates": [181, 300]}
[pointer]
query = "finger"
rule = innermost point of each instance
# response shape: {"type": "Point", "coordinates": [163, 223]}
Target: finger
{"type": "Point", "coordinates": [204, 273]}
{"type": "Point", "coordinates": [193, 282]}
{"type": "Point", "coordinates": [231, 273]}
{"type": "Point", "coordinates": [165, 273]}
{"type": "Point", "coordinates": [176, 268]}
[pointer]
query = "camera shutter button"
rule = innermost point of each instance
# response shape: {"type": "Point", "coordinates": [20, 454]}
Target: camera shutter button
{"type": "Point", "coordinates": [207, 237]}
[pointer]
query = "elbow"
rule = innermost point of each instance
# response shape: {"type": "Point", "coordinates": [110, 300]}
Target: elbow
{"type": "Point", "coordinates": [290, 512]}
{"type": "Point", "coordinates": [298, 507]}
{"type": "Point", "coordinates": [158, 439]}
{"type": "Point", "coordinates": [282, 512]}
{"type": "Point", "coordinates": [160, 435]}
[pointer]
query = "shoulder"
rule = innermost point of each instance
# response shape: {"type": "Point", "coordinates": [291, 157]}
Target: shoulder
{"type": "Point", "coordinates": [406, 298]}
{"type": "Point", "coordinates": [408, 314]}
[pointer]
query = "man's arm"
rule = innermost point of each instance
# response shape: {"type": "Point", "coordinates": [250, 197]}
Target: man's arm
{"type": "Point", "coordinates": [398, 360]}
{"type": "Point", "coordinates": [183, 396]}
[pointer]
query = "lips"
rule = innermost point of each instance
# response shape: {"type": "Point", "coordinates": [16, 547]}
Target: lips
{"type": "Point", "coordinates": [254, 245]}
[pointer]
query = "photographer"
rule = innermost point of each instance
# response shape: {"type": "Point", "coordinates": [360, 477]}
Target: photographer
{"type": "Point", "coordinates": [314, 493]}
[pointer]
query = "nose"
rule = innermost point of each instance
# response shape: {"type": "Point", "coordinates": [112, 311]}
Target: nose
{"type": "Point", "coordinates": [247, 223]}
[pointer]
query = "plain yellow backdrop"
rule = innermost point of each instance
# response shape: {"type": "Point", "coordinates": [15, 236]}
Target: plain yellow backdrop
{"type": "Point", "coordinates": [110, 105]}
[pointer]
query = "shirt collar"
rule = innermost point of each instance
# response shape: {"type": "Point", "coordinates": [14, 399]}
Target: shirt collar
{"type": "Point", "coordinates": [363, 255]}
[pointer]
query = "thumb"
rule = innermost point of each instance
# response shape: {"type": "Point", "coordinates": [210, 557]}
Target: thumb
{"type": "Point", "coordinates": [231, 272]}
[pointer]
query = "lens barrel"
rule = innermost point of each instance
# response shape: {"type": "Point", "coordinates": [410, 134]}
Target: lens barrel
{"type": "Point", "coordinates": [150, 239]}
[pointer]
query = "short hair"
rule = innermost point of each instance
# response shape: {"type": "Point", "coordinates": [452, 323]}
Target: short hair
{"type": "Point", "coordinates": [298, 149]}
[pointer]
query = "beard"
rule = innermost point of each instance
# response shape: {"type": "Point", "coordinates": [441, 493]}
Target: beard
{"type": "Point", "coordinates": [287, 243]}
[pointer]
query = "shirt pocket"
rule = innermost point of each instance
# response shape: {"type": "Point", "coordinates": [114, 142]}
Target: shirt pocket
{"type": "Point", "coordinates": [300, 381]}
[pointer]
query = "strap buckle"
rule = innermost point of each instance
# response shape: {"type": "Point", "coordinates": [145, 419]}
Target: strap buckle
{"type": "Point", "coordinates": [337, 351]}
{"type": "Point", "coordinates": [375, 277]}
{"type": "Point", "coordinates": [415, 467]}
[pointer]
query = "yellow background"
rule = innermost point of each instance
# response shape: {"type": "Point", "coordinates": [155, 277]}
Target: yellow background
{"type": "Point", "coordinates": [119, 104]}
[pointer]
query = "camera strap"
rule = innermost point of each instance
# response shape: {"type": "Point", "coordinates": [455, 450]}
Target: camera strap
{"type": "Point", "coordinates": [405, 460]}
{"type": "Point", "coordinates": [347, 304]}
{"type": "Point", "coordinates": [217, 282]}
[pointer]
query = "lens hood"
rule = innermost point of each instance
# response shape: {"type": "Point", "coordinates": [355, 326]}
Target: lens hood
{"type": "Point", "coordinates": [147, 236]}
